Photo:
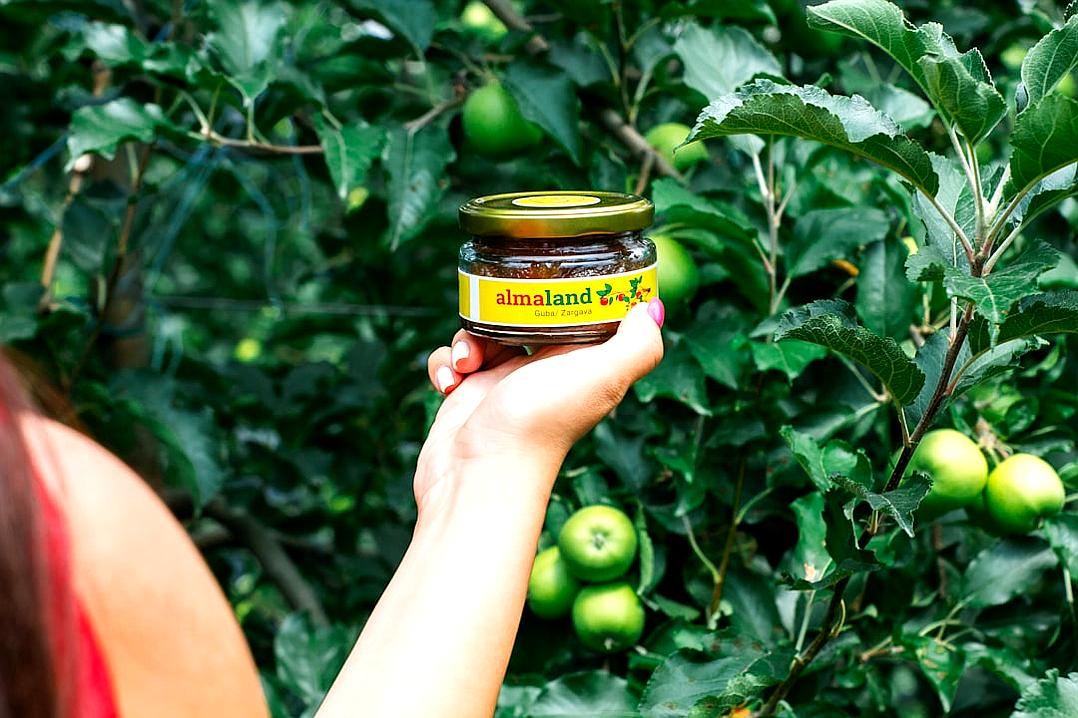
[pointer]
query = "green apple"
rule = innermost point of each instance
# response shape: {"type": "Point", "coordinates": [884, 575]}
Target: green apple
{"type": "Point", "coordinates": [598, 543]}
{"type": "Point", "coordinates": [667, 138]}
{"type": "Point", "coordinates": [494, 125]}
{"type": "Point", "coordinates": [551, 588]}
{"type": "Point", "coordinates": [956, 466]}
{"type": "Point", "coordinates": [1013, 56]}
{"type": "Point", "coordinates": [247, 350]}
{"type": "Point", "coordinates": [1021, 491]}
{"type": "Point", "coordinates": [479, 18]}
{"type": "Point", "coordinates": [678, 276]}
{"type": "Point", "coordinates": [608, 617]}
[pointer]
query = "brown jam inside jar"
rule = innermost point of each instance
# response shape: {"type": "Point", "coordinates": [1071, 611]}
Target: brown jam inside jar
{"type": "Point", "coordinates": [554, 267]}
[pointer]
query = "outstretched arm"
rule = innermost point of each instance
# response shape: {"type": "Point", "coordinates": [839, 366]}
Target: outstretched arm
{"type": "Point", "coordinates": [438, 642]}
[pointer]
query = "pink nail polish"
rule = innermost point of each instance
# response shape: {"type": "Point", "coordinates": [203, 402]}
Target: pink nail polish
{"type": "Point", "coordinates": [657, 311]}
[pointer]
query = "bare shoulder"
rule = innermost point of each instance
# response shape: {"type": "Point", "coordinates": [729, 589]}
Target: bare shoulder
{"type": "Point", "coordinates": [162, 620]}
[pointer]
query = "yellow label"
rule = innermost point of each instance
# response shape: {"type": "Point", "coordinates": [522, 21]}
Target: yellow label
{"type": "Point", "coordinates": [554, 302]}
{"type": "Point", "coordinates": [557, 200]}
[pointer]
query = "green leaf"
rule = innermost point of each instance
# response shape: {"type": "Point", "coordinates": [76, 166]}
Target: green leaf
{"type": "Point", "coordinates": [676, 204]}
{"type": "Point", "coordinates": [790, 357]}
{"type": "Point", "coordinates": [884, 296]}
{"type": "Point", "coordinates": [958, 85]}
{"type": "Point", "coordinates": [941, 663]}
{"type": "Point", "coordinates": [1050, 697]}
{"type": "Point", "coordinates": [648, 576]}
{"type": "Point", "coordinates": [1044, 139]}
{"type": "Point", "coordinates": [583, 65]}
{"type": "Point", "coordinates": [1061, 531]}
{"type": "Point", "coordinates": [719, 59]}
{"type": "Point", "coordinates": [928, 265]}
{"type": "Point", "coordinates": [414, 20]}
{"type": "Point", "coordinates": [966, 96]}
{"type": "Point", "coordinates": [909, 110]}
{"type": "Point", "coordinates": [851, 124]}
{"type": "Point", "coordinates": [114, 44]}
{"type": "Point", "coordinates": [1048, 193]}
{"type": "Point", "coordinates": [622, 453]}
{"type": "Point", "coordinates": [719, 349]}
{"type": "Point", "coordinates": [746, 272]}
{"type": "Point", "coordinates": [100, 128]}
{"type": "Point", "coordinates": [980, 334]}
{"type": "Point", "coordinates": [248, 42]}
{"type": "Point", "coordinates": [820, 462]}
{"type": "Point", "coordinates": [733, 9]}
{"type": "Point", "coordinates": [546, 97]}
{"type": "Point", "coordinates": [119, 46]}
{"type": "Point", "coordinates": [308, 657]}
{"type": "Point", "coordinates": [1012, 666]}
{"type": "Point", "coordinates": [416, 165]}
{"type": "Point", "coordinates": [823, 235]}
{"type": "Point", "coordinates": [18, 310]}
{"type": "Point", "coordinates": [689, 678]}
{"type": "Point", "coordinates": [995, 294]}
{"type": "Point", "coordinates": [678, 377]}
{"type": "Point", "coordinates": [809, 558]}
{"type": "Point", "coordinates": [832, 323]}
{"type": "Point", "coordinates": [1006, 570]}
{"type": "Point", "coordinates": [956, 198]}
{"type": "Point", "coordinates": [189, 441]}
{"type": "Point", "coordinates": [879, 22]}
{"type": "Point", "coordinates": [514, 700]}
{"type": "Point", "coordinates": [843, 533]}
{"type": "Point", "coordinates": [753, 610]}
{"type": "Point", "coordinates": [651, 48]}
{"type": "Point", "coordinates": [1047, 313]}
{"type": "Point", "coordinates": [884, 25]}
{"type": "Point", "coordinates": [978, 361]}
{"type": "Point", "coordinates": [929, 359]}
{"type": "Point", "coordinates": [992, 361]}
{"type": "Point", "coordinates": [673, 609]}
{"type": "Point", "coordinates": [90, 231]}
{"type": "Point", "coordinates": [349, 153]}
{"type": "Point", "coordinates": [1050, 60]}
{"type": "Point", "coordinates": [898, 504]}
{"type": "Point", "coordinates": [1063, 276]}
{"type": "Point", "coordinates": [591, 694]}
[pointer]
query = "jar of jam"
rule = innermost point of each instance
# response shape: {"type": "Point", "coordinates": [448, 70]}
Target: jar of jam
{"type": "Point", "coordinates": [554, 267]}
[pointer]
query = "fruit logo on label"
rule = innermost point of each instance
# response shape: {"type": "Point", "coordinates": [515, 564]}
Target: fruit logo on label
{"type": "Point", "coordinates": [634, 296]}
{"type": "Point", "coordinates": [554, 302]}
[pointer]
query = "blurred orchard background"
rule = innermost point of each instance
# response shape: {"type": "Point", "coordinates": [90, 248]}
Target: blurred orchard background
{"type": "Point", "coordinates": [228, 242]}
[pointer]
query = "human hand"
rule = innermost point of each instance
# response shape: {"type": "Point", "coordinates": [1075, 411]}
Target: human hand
{"type": "Point", "coordinates": [503, 404]}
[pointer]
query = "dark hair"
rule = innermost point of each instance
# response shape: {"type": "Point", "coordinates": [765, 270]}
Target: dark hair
{"type": "Point", "coordinates": [32, 600]}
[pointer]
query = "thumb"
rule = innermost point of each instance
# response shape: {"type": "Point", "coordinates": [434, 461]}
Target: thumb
{"type": "Point", "coordinates": [636, 348]}
{"type": "Point", "coordinates": [595, 379]}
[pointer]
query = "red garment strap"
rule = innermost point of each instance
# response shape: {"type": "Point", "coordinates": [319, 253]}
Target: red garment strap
{"type": "Point", "coordinates": [81, 668]}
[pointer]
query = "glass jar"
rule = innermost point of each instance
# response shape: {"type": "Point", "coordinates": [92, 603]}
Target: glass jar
{"type": "Point", "coordinates": [554, 267]}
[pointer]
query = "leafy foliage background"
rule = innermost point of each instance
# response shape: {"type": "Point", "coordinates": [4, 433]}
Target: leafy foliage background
{"type": "Point", "coordinates": [256, 262]}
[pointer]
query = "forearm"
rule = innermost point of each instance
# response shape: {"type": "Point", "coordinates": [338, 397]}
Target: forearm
{"type": "Point", "coordinates": [438, 642]}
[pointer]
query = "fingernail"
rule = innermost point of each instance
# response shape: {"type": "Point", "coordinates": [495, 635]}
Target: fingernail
{"type": "Point", "coordinates": [461, 350]}
{"type": "Point", "coordinates": [657, 311]}
{"type": "Point", "coordinates": [444, 375]}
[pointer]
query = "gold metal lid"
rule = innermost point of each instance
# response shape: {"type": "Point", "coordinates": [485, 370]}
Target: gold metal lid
{"type": "Point", "coordinates": [555, 214]}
